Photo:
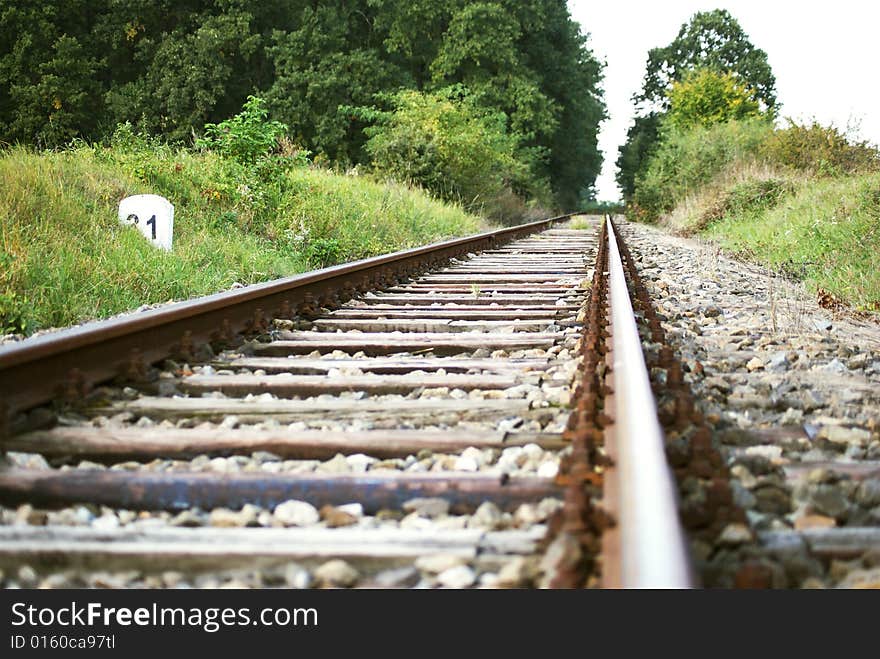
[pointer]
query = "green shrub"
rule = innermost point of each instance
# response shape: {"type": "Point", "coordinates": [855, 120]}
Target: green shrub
{"type": "Point", "coordinates": [688, 159]}
{"type": "Point", "coordinates": [323, 252]}
{"type": "Point", "coordinates": [14, 313]}
{"type": "Point", "coordinates": [444, 142]}
{"type": "Point", "coordinates": [820, 150]}
{"type": "Point", "coordinates": [247, 136]}
{"type": "Point", "coordinates": [705, 97]}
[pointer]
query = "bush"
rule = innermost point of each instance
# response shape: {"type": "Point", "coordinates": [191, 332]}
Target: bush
{"type": "Point", "coordinates": [825, 233]}
{"type": "Point", "coordinates": [688, 159]}
{"type": "Point", "coordinates": [65, 258]}
{"type": "Point", "coordinates": [447, 144]}
{"type": "Point", "coordinates": [323, 252]}
{"type": "Point", "coordinates": [820, 150]}
{"type": "Point", "coordinates": [247, 136]}
{"type": "Point", "coordinates": [705, 98]}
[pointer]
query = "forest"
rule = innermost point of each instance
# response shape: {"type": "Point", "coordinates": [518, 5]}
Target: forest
{"type": "Point", "coordinates": [516, 74]}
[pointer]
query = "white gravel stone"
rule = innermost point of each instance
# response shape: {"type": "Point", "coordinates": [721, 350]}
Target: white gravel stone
{"type": "Point", "coordinates": [487, 516]}
{"type": "Point", "coordinates": [105, 523]}
{"type": "Point", "coordinates": [336, 465]}
{"type": "Point", "coordinates": [336, 573]}
{"type": "Point", "coordinates": [296, 576]}
{"type": "Point", "coordinates": [771, 452]}
{"type": "Point", "coordinates": [514, 573]}
{"type": "Point", "coordinates": [429, 507]}
{"type": "Point", "coordinates": [466, 463]}
{"type": "Point", "coordinates": [355, 509]}
{"type": "Point", "coordinates": [359, 462]}
{"type": "Point", "coordinates": [437, 563]}
{"type": "Point", "coordinates": [735, 534]}
{"type": "Point", "coordinates": [296, 513]}
{"type": "Point", "coordinates": [460, 576]}
{"type": "Point", "coordinates": [416, 522]}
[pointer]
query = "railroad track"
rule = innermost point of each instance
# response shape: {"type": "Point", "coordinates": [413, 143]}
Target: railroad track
{"type": "Point", "coordinates": [474, 413]}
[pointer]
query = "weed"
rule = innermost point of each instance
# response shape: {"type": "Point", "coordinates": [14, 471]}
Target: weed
{"type": "Point", "coordinates": [13, 313]}
{"type": "Point", "coordinates": [827, 233]}
{"type": "Point", "coordinates": [323, 252]}
{"type": "Point", "coordinates": [820, 150]}
{"type": "Point", "coordinates": [247, 136]}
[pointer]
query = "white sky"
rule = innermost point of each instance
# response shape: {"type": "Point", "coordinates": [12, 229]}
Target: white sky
{"type": "Point", "coordinates": [825, 56]}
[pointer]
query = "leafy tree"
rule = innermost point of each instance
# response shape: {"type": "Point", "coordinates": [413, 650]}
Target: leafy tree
{"type": "Point", "coordinates": [527, 58]}
{"type": "Point", "coordinates": [710, 40]}
{"type": "Point", "coordinates": [704, 97]}
{"type": "Point", "coordinates": [447, 143]}
{"type": "Point", "coordinates": [413, 32]}
{"type": "Point", "coordinates": [48, 88]}
{"type": "Point", "coordinates": [641, 142]}
{"type": "Point", "coordinates": [570, 76]}
{"type": "Point", "coordinates": [78, 68]}
{"type": "Point", "coordinates": [713, 40]}
{"type": "Point", "coordinates": [57, 103]}
{"type": "Point", "coordinates": [192, 77]}
{"type": "Point", "coordinates": [332, 59]}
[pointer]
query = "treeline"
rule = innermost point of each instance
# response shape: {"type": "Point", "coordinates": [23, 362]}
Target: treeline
{"type": "Point", "coordinates": [705, 156]}
{"type": "Point", "coordinates": [708, 107]}
{"type": "Point", "coordinates": [711, 42]}
{"type": "Point", "coordinates": [329, 71]}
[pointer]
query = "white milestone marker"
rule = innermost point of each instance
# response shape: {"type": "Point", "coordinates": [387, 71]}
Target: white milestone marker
{"type": "Point", "coordinates": [152, 215]}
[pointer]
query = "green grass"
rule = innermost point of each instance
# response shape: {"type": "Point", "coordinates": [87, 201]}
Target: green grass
{"type": "Point", "coordinates": [64, 258]}
{"type": "Point", "coordinates": [825, 231]}
{"type": "Point", "coordinates": [688, 160]}
{"type": "Point", "coordinates": [581, 222]}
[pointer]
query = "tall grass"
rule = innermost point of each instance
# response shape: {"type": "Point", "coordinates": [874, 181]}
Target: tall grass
{"type": "Point", "coordinates": [687, 160]}
{"type": "Point", "coordinates": [64, 257]}
{"type": "Point", "coordinates": [827, 232]}
{"type": "Point", "coordinates": [803, 200]}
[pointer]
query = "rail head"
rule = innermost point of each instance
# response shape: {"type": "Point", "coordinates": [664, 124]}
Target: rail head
{"type": "Point", "coordinates": [653, 549]}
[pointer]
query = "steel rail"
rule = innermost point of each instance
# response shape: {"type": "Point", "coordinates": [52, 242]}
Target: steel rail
{"type": "Point", "coordinates": [653, 552]}
{"type": "Point", "coordinates": [37, 370]}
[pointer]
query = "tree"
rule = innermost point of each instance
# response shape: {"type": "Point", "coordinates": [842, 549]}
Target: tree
{"type": "Point", "coordinates": [712, 40]}
{"type": "Point", "coordinates": [704, 97]}
{"type": "Point", "coordinates": [331, 59]}
{"type": "Point", "coordinates": [195, 74]}
{"type": "Point", "coordinates": [446, 142]}
{"type": "Point", "coordinates": [641, 141]}
{"type": "Point", "coordinates": [77, 68]}
{"type": "Point", "coordinates": [570, 76]}
{"type": "Point", "coordinates": [49, 90]}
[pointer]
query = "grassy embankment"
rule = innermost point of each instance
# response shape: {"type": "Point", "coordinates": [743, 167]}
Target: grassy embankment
{"type": "Point", "coordinates": [803, 201]}
{"type": "Point", "coordinates": [64, 257]}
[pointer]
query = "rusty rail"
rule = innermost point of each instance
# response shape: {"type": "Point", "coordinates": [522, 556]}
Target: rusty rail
{"type": "Point", "coordinates": [653, 552]}
{"type": "Point", "coordinates": [633, 538]}
{"type": "Point", "coordinates": [67, 364]}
